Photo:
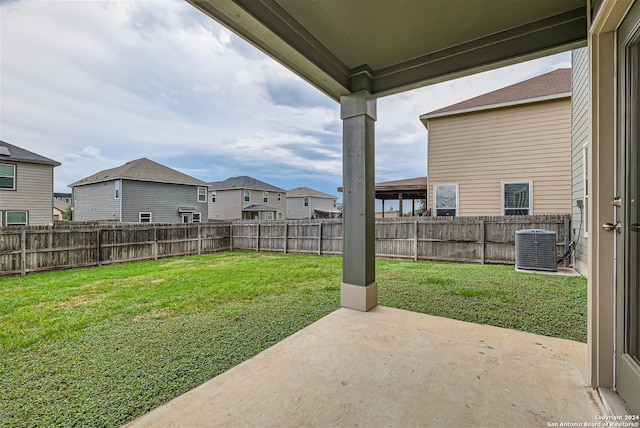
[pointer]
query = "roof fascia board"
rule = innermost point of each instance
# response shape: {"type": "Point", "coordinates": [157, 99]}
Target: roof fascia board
{"type": "Point", "coordinates": [496, 106]}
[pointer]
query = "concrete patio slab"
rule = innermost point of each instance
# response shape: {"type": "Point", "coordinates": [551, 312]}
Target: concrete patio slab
{"type": "Point", "coordinates": [395, 368]}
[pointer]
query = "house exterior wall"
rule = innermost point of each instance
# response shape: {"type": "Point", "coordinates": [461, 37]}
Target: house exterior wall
{"type": "Point", "coordinates": [481, 150]}
{"type": "Point", "coordinates": [160, 199]}
{"type": "Point", "coordinates": [96, 202]}
{"type": "Point", "coordinates": [297, 210]}
{"type": "Point", "coordinates": [579, 146]}
{"type": "Point", "coordinates": [230, 203]}
{"type": "Point", "coordinates": [33, 193]}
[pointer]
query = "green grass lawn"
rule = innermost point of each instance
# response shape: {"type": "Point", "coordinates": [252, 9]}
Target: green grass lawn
{"type": "Point", "coordinates": [102, 346]}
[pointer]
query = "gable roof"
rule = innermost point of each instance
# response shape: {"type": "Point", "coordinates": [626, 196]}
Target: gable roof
{"type": "Point", "coordinates": [552, 85]}
{"type": "Point", "coordinates": [142, 169]}
{"type": "Point", "coordinates": [243, 182]}
{"type": "Point", "coordinates": [299, 192]}
{"type": "Point", "coordinates": [17, 154]}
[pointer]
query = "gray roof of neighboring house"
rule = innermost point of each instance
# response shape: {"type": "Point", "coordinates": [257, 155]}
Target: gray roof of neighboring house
{"type": "Point", "coordinates": [243, 182]}
{"type": "Point", "coordinates": [300, 192]}
{"type": "Point", "coordinates": [258, 207]}
{"type": "Point", "coordinates": [59, 205]}
{"type": "Point", "coordinates": [17, 154]}
{"type": "Point", "coordinates": [142, 169]}
{"type": "Point", "coordinates": [552, 85]}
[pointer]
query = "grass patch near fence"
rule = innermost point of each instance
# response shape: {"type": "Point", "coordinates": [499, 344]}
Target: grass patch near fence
{"type": "Point", "coordinates": [102, 346]}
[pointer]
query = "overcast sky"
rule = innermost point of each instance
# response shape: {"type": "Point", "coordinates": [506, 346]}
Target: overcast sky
{"type": "Point", "coordinates": [96, 84]}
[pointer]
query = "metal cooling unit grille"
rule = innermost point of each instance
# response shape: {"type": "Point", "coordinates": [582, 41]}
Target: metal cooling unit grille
{"type": "Point", "coordinates": [536, 250]}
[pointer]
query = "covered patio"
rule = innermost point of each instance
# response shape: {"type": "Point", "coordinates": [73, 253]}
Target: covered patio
{"type": "Point", "coordinates": [390, 367]}
{"type": "Point", "coordinates": [365, 365]}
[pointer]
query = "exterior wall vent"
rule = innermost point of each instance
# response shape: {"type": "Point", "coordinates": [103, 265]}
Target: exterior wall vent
{"type": "Point", "coordinates": [536, 250]}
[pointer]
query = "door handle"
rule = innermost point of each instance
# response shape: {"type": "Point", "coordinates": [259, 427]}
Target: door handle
{"type": "Point", "coordinates": [611, 227]}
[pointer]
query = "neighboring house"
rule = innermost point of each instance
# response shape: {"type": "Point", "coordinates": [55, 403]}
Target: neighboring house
{"type": "Point", "coordinates": [580, 156]}
{"type": "Point", "coordinates": [507, 152]}
{"type": "Point", "coordinates": [63, 197]}
{"type": "Point", "coordinates": [246, 198]}
{"type": "Point", "coordinates": [59, 208]}
{"type": "Point", "coordinates": [303, 202]}
{"type": "Point", "coordinates": [26, 187]}
{"type": "Point", "coordinates": [140, 191]}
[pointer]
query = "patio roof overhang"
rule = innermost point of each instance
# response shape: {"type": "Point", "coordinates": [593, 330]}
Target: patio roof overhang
{"type": "Point", "coordinates": [385, 47]}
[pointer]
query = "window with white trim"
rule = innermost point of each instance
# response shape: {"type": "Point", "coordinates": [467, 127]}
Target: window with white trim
{"type": "Point", "coordinates": [445, 197]}
{"type": "Point", "coordinates": [269, 216]}
{"type": "Point", "coordinates": [17, 218]}
{"type": "Point", "coordinates": [279, 215]}
{"type": "Point", "coordinates": [116, 188]}
{"type": "Point", "coordinates": [195, 217]}
{"type": "Point", "coordinates": [213, 197]}
{"type": "Point", "coordinates": [306, 202]}
{"type": "Point", "coordinates": [247, 195]}
{"type": "Point", "coordinates": [265, 196]}
{"type": "Point", "coordinates": [144, 217]}
{"type": "Point", "coordinates": [202, 194]}
{"type": "Point", "coordinates": [517, 198]}
{"type": "Point", "coordinates": [1, 219]}
{"type": "Point", "coordinates": [279, 197]}
{"type": "Point", "coordinates": [7, 176]}
{"type": "Point", "coordinates": [585, 185]}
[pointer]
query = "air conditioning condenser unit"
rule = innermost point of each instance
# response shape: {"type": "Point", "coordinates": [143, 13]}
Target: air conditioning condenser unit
{"type": "Point", "coordinates": [536, 250]}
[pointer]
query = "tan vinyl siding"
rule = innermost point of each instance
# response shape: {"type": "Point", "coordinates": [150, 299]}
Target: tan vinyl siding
{"type": "Point", "coordinates": [481, 150]}
{"type": "Point", "coordinates": [228, 204]}
{"type": "Point", "coordinates": [33, 193]}
{"type": "Point", "coordinates": [579, 137]}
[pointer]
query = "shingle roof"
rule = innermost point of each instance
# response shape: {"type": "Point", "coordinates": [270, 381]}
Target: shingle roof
{"type": "Point", "coordinates": [142, 169]}
{"type": "Point", "coordinates": [243, 182]}
{"type": "Point", "coordinates": [15, 153]}
{"type": "Point", "coordinates": [555, 84]}
{"type": "Point", "coordinates": [299, 192]}
{"type": "Point", "coordinates": [258, 207]}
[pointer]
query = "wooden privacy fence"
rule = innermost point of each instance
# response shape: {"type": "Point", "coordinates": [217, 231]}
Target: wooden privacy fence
{"type": "Point", "coordinates": [33, 249]}
{"type": "Point", "coordinates": [459, 239]}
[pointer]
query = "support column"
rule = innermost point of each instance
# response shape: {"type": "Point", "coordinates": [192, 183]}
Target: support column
{"type": "Point", "coordinates": [359, 289]}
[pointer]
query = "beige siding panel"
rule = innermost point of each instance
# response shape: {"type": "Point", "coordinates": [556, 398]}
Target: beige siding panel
{"type": "Point", "coordinates": [579, 136]}
{"type": "Point", "coordinates": [481, 150]}
{"type": "Point", "coordinates": [33, 193]}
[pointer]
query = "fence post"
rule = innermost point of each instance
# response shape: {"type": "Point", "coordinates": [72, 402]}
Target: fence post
{"type": "Point", "coordinates": [230, 236]}
{"type": "Point", "coordinates": [23, 252]}
{"type": "Point", "coordinates": [567, 241]}
{"type": "Point", "coordinates": [415, 241]}
{"type": "Point", "coordinates": [98, 248]}
{"type": "Point", "coordinates": [320, 238]}
{"type": "Point", "coordinates": [155, 242]}
{"type": "Point", "coordinates": [286, 234]}
{"type": "Point", "coordinates": [482, 243]}
{"type": "Point", "coordinates": [258, 236]}
{"type": "Point", "coordinates": [199, 240]}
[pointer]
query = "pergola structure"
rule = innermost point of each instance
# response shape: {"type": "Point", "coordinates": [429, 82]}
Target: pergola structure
{"type": "Point", "coordinates": [357, 51]}
{"type": "Point", "coordinates": [400, 190]}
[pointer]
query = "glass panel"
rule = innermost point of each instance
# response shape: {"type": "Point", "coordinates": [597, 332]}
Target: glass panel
{"type": "Point", "coordinates": [6, 182]}
{"type": "Point", "coordinates": [16, 217]}
{"type": "Point", "coordinates": [516, 198]}
{"type": "Point", "coordinates": [446, 199]}
{"type": "Point", "coordinates": [6, 170]}
{"type": "Point", "coordinates": [632, 236]}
